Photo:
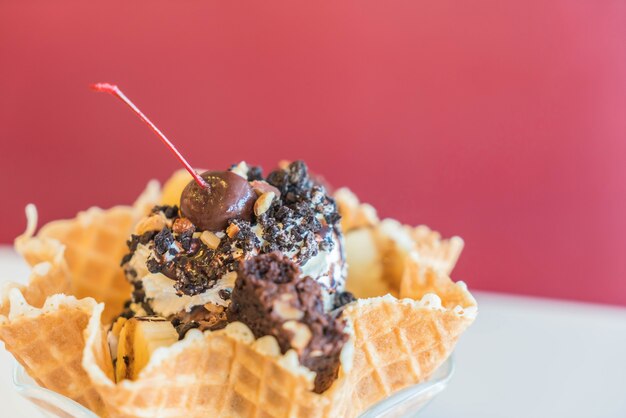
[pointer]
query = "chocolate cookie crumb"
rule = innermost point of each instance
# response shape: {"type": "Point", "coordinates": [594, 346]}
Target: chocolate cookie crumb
{"type": "Point", "coordinates": [170, 212]}
{"type": "Point", "coordinates": [343, 298]}
{"type": "Point", "coordinates": [163, 240]}
{"type": "Point", "coordinates": [153, 266]}
{"type": "Point", "coordinates": [255, 173]}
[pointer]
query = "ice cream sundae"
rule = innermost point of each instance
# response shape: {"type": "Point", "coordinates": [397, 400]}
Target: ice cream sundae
{"type": "Point", "coordinates": [267, 252]}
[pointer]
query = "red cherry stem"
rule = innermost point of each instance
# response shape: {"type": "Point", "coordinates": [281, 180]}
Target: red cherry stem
{"type": "Point", "coordinates": [115, 91]}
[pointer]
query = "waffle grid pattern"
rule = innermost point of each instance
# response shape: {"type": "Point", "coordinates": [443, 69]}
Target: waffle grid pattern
{"type": "Point", "coordinates": [95, 244]}
{"type": "Point", "coordinates": [386, 359]}
{"type": "Point", "coordinates": [217, 376]}
{"type": "Point", "coordinates": [49, 347]}
{"type": "Point", "coordinates": [220, 376]}
{"type": "Point", "coordinates": [397, 343]}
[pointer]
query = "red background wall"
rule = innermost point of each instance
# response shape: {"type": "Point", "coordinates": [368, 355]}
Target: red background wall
{"type": "Point", "coordinates": [501, 121]}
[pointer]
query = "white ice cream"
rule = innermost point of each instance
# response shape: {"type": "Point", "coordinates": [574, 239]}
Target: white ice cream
{"type": "Point", "coordinates": [327, 267]}
{"type": "Point", "coordinates": [166, 302]}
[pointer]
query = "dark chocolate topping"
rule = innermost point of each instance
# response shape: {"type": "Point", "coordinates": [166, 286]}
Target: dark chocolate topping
{"type": "Point", "coordinates": [272, 298]}
{"type": "Point", "coordinates": [204, 317]}
{"type": "Point", "coordinates": [227, 196]}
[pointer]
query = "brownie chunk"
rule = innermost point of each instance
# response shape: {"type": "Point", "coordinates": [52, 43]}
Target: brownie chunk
{"type": "Point", "coordinates": [272, 298]}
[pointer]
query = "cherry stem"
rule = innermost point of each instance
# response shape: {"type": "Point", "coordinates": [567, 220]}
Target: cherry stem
{"type": "Point", "coordinates": [115, 91]}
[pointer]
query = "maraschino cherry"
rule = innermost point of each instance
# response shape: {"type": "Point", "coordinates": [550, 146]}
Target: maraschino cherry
{"type": "Point", "coordinates": [211, 199]}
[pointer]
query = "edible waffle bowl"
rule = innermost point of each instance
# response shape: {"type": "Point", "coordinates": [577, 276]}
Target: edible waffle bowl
{"type": "Point", "coordinates": [396, 360]}
{"type": "Point", "coordinates": [403, 404]}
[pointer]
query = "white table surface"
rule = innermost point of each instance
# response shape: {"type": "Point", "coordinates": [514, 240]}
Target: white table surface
{"type": "Point", "coordinates": [523, 357]}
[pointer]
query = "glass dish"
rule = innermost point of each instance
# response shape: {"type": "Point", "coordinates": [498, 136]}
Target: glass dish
{"type": "Point", "coordinates": [402, 404]}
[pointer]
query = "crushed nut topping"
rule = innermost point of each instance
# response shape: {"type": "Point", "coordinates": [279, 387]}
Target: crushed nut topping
{"type": "Point", "coordinates": [209, 239]}
{"type": "Point", "coordinates": [154, 222]}
{"type": "Point", "coordinates": [263, 203]}
{"type": "Point", "coordinates": [301, 334]}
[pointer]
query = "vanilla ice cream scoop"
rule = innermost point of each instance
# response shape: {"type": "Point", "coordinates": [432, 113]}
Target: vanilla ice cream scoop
{"type": "Point", "coordinates": [178, 266]}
